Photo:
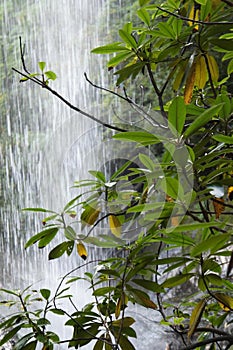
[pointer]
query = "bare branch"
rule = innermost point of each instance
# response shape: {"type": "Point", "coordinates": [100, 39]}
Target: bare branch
{"type": "Point", "coordinates": [195, 20]}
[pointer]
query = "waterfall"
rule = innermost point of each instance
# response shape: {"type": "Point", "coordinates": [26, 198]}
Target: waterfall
{"type": "Point", "coordinates": [46, 145]}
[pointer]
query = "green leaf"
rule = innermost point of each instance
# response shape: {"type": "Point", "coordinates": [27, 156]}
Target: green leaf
{"type": "Point", "coordinates": [120, 57]}
{"type": "Point", "coordinates": [196, 316]}
{"type": "Point", "coordinates": [143, 2]}
{"type": "Point", "coordinates": [57, 311]}
{"type": "Point", "coordinates": [51, 75]}
{"type": "Point", "coordinates": [230, 67]}
{"type": "Point", "coordinates": [128, 38]}
{"type": "Point", "coordinates": [143, 137]}
{"type": "Point", "coordinates": [177, 114]}
{"type": "Point", "coordinates": [144, 16]}
{"type": "Point", "coordinates": [213, 244]}
{"type": "Point", "coordinates": [45, 240]}
{"type": "Point", "coordinates": [99, 345]}
{"type": "Point", "coordinates": [98, 175]}
{"type": "Point", "coordinates": [223, 138]}
{"type": "Point", "coordinates": [39, 210]}
{"type": "Point", "coordinates": [171, 187]}
{"type": "Point", "coordinates": [45, 293]}
{"type": "Point", "coordinates": [110, 48]}
{"type": "Point", "coordinates": [10, 335]}
{"type": "Point", "coordinates": [149, 285]}
{"type": "Point", "coordinates": [176, 280]}
{"type": "Point", "coordinates": [41, 65]}
{"type": "Point", "coordinates": [125, 343]}
{"type": "Point", "coordinates": [70, 233]}
{"type": "Point", "coordinates": [58, 251]}
{"type": "Point", "coordinates": [201, 2]}
{"type": "Point", "coordinates": [9, 292]}
{"type": "Point", "coordinates": [103, 291]}
{"type": "Point", "coordinates": [50, 232]}
{"type": "Point", "coordinates": [203, 119]}
{"type": "Point", "coordinates": [124, 323]}
{"type": "Point", "coordinates": [147, 162]}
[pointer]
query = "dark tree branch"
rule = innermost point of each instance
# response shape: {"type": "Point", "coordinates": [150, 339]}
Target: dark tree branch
{"type": "Point", "coordinates": [195, 20]}
{"type": "Point", "coordinates": [227, 338]}
{"type": "Point", "coordinates": [132, 103]}
{"type": "Point", "coordinates": [69, 104]}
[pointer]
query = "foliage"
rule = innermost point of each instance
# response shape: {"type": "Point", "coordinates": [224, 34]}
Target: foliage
{"type": "Point", "coordinates": [179, 208]}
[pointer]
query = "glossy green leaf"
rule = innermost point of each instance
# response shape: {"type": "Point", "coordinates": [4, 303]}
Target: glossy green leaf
{"type": "Point", "coordinates": [143, 137]}
{"type": "Point", "coordinates": [202, 120]}
{"type": "Point", "coordinates": [50, 233]}
{"type": "Point", "coordinates": [110, 48]}
{"type": "Point", "coordinates": [177, 114]}
{"type": "Point", "coordinates": [176, 280]}
{"type": "Point", "coordinates": [144, 16]}
{"type": "Point", "coordinates": [224, 139]}
{"type": "Point", "coordinates": [128, 38]}
{"type": "Point", "coordinates": [120, 57]}
{"type": "Point", "coordinates": [45, 240]}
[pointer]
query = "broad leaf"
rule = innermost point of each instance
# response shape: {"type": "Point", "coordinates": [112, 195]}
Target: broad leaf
{"type": "Point", "coordinates": [177, 114]}
{"type": "Point", "coordinates": [202, 120]}
{"type": "Point", "coordinates": [196, 316]}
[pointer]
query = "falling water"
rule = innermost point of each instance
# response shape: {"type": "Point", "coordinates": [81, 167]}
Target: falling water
{"type": "Point", "coordinates": [45, 146]}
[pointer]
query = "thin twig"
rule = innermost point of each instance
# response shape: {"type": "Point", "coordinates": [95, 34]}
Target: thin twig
{"type": "Point", "coordinates": [192, 20]}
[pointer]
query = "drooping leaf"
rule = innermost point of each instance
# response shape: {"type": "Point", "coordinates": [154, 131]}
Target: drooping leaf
{"type": "Point", "coordinates": [10, 335]}
{"type": "Point", "coordinates": [213, 67]}
{"type": "Point", "coordinates": [70, 233]}
{"type": "Point", "coordinates": [212, 243]}
{"type": "Point", "coordinates": [201, 75]}
{"type": "Point", "coordinates": [189, 85]}
{"type": "Point", "coordinates": [81, 249]}
{"type": "Point", "coordinates": [118, 307]}
{"type": "Point", "coordinates": [225, 301]}
{"type": "Point", "coordinates": [218, 206]}
{"type": "Point", "coordinates": [230, 193]}
{"type": "Point", "coordinates": [177, 114]}
{"type": "Point", "coordinates": [115, 225]}
{"type": "Point", "coordinates": [90, 215]}
{"type": "Point", "coordinates": [50, 232]}
{"type": "Point", "coordinates": [196, 316]}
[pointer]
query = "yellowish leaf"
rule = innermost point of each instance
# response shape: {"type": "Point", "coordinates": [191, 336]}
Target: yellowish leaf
{"type": "Point", "coordinates": [81, 249]}
{"type": "Point", "coordinates": [118, 307]}
{"type": "Point", "coordinates": [225, 301]}
{"type": "Point", "coordinates": [218, 206]}
{"type": "Point", "coordinates": [230, 193]}
{"type": "Point", "coordinates": [196, 316]}
{"type": "Point", "coordinates": [180, 70]}
{"type": "Point", "coordinates": [194, 15]}
{"type": "Point", "coordinates": [188, 91]}
{"type": "Point", "coordinates": [213, 68]}
{"type": "Point", "coordinates": [115, 225]}
{"type": "Point", "coordinates": [201, 75]}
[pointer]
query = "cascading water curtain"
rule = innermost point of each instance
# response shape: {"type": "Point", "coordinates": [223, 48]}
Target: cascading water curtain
{"type": "Point", "coordinates": [45, 146]}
